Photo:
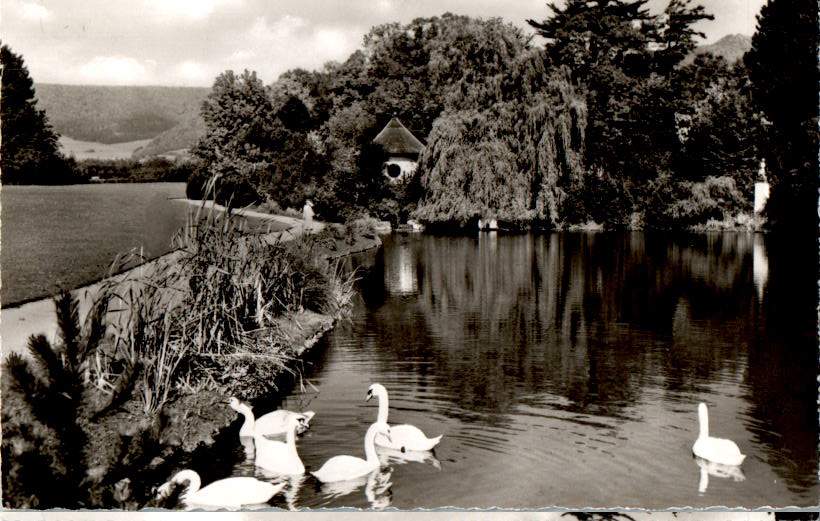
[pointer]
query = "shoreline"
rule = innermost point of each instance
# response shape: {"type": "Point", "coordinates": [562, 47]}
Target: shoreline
{"type": "Point", "coordinates": [195, 420]}
{"type": "Point", "coordinates": [37, 316]}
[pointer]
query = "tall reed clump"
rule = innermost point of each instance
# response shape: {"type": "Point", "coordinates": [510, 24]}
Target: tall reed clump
{"type": "Point", "coordinates": [209, 314]}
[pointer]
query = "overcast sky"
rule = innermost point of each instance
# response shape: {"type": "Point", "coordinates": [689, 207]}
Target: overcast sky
{"type": "Point", "coordinates": [189, 42]}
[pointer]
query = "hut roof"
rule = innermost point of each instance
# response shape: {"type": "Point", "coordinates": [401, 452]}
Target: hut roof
{"type": "Point", "coordinates": [396, 139]}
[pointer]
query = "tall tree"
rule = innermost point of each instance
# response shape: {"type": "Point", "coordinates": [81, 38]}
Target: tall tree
{"type": "Point", "coordinates": [784, 72]}
{"type": "Point", "coordinates": [238, 143]}
{"type": "Point", "coordinates": [30, 152]}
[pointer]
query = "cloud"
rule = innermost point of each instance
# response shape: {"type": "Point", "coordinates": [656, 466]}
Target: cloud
{"type": "Point", "coordinates": [34, 11]}
{"type": "Point", "coordinates": [272, 47]}
{"type": "Point", "coordinates": [114, 70]}
{"type": "Point", "coordinates": [191, 10]}
{"type": "Point", "coordinates": [194, 73]}
{"type": "Point", "coordinates": [284, 27]}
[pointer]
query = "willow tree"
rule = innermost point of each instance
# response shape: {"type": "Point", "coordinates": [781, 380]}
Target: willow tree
{"type": "Point", "coordinates": [515, 161]}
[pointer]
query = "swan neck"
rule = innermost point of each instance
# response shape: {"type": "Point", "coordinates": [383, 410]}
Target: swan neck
{"type": "Point", "coordinates": [193, 481]}
{"type": "Point", "coordinates": [249, 419]}
{"type": "Point", "coordinates": [370, 445]}
{"type": "Point", "coordinates": [291, 439]}
{"type": "Point", "coordinates": [703, 420]}
{"type": "Point", "coordinates": [384, 407]}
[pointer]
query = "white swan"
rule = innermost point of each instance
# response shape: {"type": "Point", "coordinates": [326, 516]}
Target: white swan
{"type": "Point", "coordinates": [278, 457]}
{"type": "Point", "coordinates": [275, 422]}
{"type": "Point", "coordinates": [341, 468]}
{"type": "Point", "coordinates": [232, 492]}
{"type": "Point", "coordinates": [717, 450]}
{"type": "Point", "coordinates": [404, 437]}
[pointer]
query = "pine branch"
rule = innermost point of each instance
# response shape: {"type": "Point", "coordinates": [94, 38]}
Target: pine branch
{"type": "Point", "coordinates": [68, 325]}
{"type": "Point", "coordinates": [22, 379]}
{"type": "Point", "coordinates": [42, 352]}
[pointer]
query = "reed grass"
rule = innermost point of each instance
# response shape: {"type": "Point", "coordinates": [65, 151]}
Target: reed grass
{"type": "Point", "coordinates": [208, 314]}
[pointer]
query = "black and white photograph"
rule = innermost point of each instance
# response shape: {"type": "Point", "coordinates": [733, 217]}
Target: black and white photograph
{"type": "Point", "coordinates": [459, 259]}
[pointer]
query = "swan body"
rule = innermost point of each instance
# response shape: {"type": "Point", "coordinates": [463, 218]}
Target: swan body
{"type": "Point", "coordinates": [232, 492]}
{"type": "Point", "coordinates": [342, 468]}
{"type": "Point", "coordinates": [716, 450]}
{"type": "Point", "coordinates": [278, 457]}
{"type": "Point", "coordinates": [402, 437]}
{"type": "Point", "coordinates": [275, 422]}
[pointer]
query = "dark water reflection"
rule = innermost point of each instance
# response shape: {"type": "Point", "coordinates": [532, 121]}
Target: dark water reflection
{"type": "Point", "coordinates": [565, 369]}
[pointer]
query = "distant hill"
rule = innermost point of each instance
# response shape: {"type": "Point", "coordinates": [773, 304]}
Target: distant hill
{"type": "Point", "coordinates": [175, 141]}
{"type": "Point", "coordinates": [731, 47]}
{"type": "Point", "coordinates": [108, 114]}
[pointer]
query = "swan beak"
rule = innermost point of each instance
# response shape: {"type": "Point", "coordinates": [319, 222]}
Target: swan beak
{"type": "Point", "coordinates": [369, 396]}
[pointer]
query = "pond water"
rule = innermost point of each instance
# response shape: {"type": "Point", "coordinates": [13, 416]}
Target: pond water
{"type": "Point", "coordinates": [565, 370]}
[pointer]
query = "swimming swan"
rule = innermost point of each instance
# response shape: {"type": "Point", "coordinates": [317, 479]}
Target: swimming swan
{"type": "Point", "coordinates": [278, 457]}
{"type": "Point", "coordinates": [404, 437]}
{"type": "Point", "coordinates": [717, 450]}
{"type": "Point", "coordinates": [232, 492]}
{"type": "Point", "coordinates": [341, 468]}
{"type": "Point", "coordinates": [275, 422]}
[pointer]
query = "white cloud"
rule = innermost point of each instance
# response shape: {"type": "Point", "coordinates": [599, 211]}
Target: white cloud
{"type": "Point", "coordinates": [284, 27]}
{"type": "Point", "coordinates": [241, 55]}
{"type": "Point", "coordinates": [34, 11]}
{"type": "Point", "coordinates": [290, 41]}
{"type": "Point", "coordinates": [114, 70]}
{"type": "Point", "coordinates": [192, 10]}
{"type": "Point", "coordinates": [194, 73]}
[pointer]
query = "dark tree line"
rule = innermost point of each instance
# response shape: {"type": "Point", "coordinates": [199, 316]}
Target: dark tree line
{"type": "Point", "coordinates": [29, 153]}
{"type": "Point", "coordinates": [784, 75]}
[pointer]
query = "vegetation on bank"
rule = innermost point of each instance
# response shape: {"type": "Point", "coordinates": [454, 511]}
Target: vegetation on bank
{"type": "Point", "coordinates": [612, 121]}
{"type": "Point", "coordinates": [608, 123]}
{"type": "Point", "coordinates": [95, 420]}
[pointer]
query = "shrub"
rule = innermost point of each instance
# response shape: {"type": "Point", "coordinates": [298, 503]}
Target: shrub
{"type": "Point", "coordinates": [714, 198]}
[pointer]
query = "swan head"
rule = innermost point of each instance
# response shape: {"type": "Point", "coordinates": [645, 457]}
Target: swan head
{"type": "Point", "coordinates": [177, 486]}
{"type": "Point", "coordinates": [375, 390]}
{"type": "Point", "coordinates": [234, 403]}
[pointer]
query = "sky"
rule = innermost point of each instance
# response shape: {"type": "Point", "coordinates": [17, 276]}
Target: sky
{"type": "Point", "coordinates": [190, 42]}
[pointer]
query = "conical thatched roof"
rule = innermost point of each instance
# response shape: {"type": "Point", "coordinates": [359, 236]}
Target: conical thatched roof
{"type": "Point", "coordinates": [396, 139]}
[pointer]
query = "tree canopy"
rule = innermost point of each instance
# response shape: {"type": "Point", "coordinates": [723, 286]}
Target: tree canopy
{"type": "Point", "coordinates": [605, 123]}
{"type": "Point", "coordinates": [784, 74]}
{"type": "Point", "coordinates": [30, 150]}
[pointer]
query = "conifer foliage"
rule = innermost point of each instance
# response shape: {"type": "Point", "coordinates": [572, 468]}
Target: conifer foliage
{"type": "Point", "coordinates": [783, 68]}
{"type": "Point", "coordinates": [56, 460]}
{"type": "Point", "coordinates": [29, 153]}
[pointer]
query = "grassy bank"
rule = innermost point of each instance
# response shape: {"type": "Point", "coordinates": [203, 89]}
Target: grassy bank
{"type": "Point", "coordinates": [103, 416]}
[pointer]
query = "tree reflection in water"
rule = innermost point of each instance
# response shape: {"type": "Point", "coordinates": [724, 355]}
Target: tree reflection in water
{"type": "Point", "coordinates": [598, 320]}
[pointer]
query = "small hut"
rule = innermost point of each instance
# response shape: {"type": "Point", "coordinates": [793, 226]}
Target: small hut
{"type": "Point", "coordinates": [402, 150]}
